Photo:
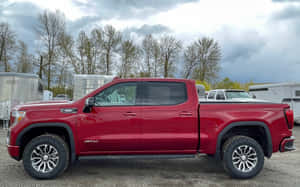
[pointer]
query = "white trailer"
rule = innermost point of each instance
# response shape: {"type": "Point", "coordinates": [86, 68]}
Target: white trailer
{"type": "Point", "coordinates": [84, 84]}
{"type": "Point", "coordinates": [280, 93]}
{"type": "Point", "coordinates": [18, 88]}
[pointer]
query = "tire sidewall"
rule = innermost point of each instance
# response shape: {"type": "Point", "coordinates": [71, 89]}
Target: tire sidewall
{"type": "Point", "coordinates": [62, 153]}
{"type": "Point", "coordinates": [227, 158]}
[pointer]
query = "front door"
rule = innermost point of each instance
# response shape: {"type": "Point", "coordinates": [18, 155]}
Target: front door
{"type": "Point", "coordinates": [113, 125]}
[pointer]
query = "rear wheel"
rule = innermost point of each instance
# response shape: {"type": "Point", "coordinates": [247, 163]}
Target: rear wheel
{"type": "Point", "coordinates": [46, 156]}
{"type": "Point", "coordinates": [243, 157]}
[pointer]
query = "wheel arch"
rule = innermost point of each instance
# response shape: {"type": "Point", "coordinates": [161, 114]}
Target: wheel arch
{"type": "Point", "coordinates": [36, 126]}
{"type": "Point", "coordinates": [269, 144]}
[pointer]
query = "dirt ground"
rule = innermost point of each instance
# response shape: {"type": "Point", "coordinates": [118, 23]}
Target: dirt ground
{"type": "Point", "coordinates": [283, 169]}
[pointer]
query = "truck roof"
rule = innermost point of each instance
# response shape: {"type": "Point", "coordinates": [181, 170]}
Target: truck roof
{"type": "Point", "coordinates": [152, 79]}
{"type": "Point", "coordinates": [231, 90]}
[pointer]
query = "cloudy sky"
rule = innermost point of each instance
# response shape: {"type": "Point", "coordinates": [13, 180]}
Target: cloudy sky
{"type": "Point", "coordinates": [260, 39]}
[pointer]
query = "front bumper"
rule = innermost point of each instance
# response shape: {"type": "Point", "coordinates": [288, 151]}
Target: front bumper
{"type": "Point", "coordinates": [287, 144]}
{"type": "Point", "coordinates": [14, 151]}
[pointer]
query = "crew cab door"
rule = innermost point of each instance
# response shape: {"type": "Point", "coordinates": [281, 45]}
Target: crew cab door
{"type": "Point", "coordinates": [169, 118]}
{"type": "Point", "coordinates": [113, 125]}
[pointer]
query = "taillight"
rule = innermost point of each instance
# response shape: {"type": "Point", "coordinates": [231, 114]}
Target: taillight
{"type": "Point", "coordinates": [289, 116]}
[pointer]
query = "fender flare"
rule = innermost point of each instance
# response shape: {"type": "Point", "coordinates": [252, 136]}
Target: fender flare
{"type": "Point", "coordinates": [61, 125]}
{"type": "Point", "coordinates": [245, 123]}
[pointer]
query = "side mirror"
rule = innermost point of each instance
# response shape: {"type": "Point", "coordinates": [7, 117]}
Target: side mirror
{"type": "Point", "coordinates": [253, 96]}
{"type": "Point", "coordinates": [90, 102]}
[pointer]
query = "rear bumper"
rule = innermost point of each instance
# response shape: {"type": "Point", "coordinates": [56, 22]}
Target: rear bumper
{"type": "Point", "coordinates": [14, 152]}
{"type": "Point", "coordinates": [287, 144]}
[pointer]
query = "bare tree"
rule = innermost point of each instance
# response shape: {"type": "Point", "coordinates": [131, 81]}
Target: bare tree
{"type": "Point", "coordinates": [147, 46]}
{"type": "Point", "coordinates": [130, 54]}
{"type": "Point", "coordinates": [156, 58]}
{"type": "Point", "coordinates": [67, 52]}
{"type": "Point", "coordinates": [111, 41]}
{"type": "Point", "coordinates": [190, 59]}
{"type": "Point", "coordinates": [24, 60]}
{"type": "Point", "coordinates": [202, 60]}
{"type": "Point", "coordinates": [50, 26]}
{"type": "Point", "coordinates": [169, 50]}
{"type": "Point", "coordinates": [7, 45]}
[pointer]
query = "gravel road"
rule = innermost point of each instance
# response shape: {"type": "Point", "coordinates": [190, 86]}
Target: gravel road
{"type": "Point", "coordinates": [283, 169]}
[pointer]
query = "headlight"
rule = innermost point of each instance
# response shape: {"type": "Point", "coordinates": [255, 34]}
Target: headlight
{"type": "Point", "coordinates": [17, 117]}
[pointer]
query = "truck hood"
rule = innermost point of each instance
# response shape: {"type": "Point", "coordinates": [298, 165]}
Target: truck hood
{"type": "Point", "coordinates": [41, 105]}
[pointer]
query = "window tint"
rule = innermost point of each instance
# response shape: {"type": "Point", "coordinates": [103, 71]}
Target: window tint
{"type": "Point", "coordinates": [164, 93]}
{"type": "Point", "coordinates": [236, 94]}
{"type": "Point", "coordinates": [123, 94]}
{"type": "Point", "coordinates": [220, 96]}
{"type": "Point", "coordinates": [211, 95]}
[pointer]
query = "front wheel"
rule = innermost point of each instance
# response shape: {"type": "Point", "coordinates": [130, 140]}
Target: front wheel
{"type": "Point", "coordinates": [46, 157]}
{"type": "Point", "coordinates": [243, 157]}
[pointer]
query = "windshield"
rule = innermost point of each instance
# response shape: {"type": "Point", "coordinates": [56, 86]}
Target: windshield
{"type": "Point", "coordinates": [236, 94]}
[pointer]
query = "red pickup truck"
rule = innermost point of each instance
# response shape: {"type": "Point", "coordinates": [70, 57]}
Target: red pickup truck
{"type": "Point", "coordinates": [156, 118]}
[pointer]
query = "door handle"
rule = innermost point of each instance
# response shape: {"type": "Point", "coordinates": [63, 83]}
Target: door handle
{"type": "Point", "coordinates": [129, 114]}
{"type": "Point", "coordinates": [185, 113]}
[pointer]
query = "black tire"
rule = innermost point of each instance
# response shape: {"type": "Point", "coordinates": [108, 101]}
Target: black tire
{"type": "Point", "coordinates": [238, 143]}
{"type": "Point", "coordinates": [58, 144]}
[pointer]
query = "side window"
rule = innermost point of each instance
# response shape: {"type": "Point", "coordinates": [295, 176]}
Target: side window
{"type": "Point", "coordinates": [211, 95]}
{"type": "Point", "coordinates": [220, 96]}
{"type": "Point", "coordinates": [164, 93]}
{"type": "Point", "coordinates": [297, 93]}
{"type": "Point", "coordinates": [123, 94]}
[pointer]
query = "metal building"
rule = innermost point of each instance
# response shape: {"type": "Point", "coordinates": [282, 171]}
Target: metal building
{"type": "Point", "coordinates": [18, 88]}
{"type": "Point", "coordinates": [84, 84]}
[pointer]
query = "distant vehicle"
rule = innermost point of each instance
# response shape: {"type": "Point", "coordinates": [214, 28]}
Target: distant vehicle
{"type": "Point", "coordinates": [47, 95]}
{"type": "Point", "coordinates": [288, 93]}
{"type": "Point", "coordinates": [228, 94]}
{"type": "Point", "coordinates": [59, 97]}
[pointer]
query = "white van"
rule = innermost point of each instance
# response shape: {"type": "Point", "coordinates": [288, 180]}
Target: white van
{"type": "Point", "coordinates": [280, 93]}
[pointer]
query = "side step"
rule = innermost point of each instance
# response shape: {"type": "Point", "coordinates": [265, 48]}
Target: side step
{"type": "Point", "coordinates": [167, 156]}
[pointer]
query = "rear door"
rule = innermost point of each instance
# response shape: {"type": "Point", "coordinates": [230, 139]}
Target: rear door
{"type": "Point", "coordinates": [169, 118]}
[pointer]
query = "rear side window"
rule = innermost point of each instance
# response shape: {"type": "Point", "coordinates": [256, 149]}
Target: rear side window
{"type": "Point", "coordinates": [211, 95]}
{"type": "Point", "coordinates": [164, 93]}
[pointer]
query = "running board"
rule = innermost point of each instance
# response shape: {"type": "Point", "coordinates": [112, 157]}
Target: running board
{"type": "Point", "coordinates": [104, 157]}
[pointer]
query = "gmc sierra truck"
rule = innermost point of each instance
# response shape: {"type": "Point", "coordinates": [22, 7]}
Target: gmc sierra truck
{"type": "Point", "coordinates": [156, 118]}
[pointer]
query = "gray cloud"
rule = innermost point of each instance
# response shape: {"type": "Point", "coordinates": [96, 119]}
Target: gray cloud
{"type": "Point", "coordinates": [85, 23]}
{"type": "Point", "coordinates": [22, 18]}
{"type": "Point", "coordinates": [147, 29]}
{"type": "Point", "coordinates": [285, 1]}
{"type": "Point", "coordinates": [291, 12]}
{"type": "Point", "coordinates": [123, 9]}
{"type": "Point", "coordinates": [248, 55]}
{"type": "Point", "coordinates": [239, 45]}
